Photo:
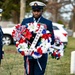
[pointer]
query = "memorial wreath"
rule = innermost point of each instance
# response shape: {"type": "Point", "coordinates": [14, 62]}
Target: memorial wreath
{"type": "Point", "coordinates": [33, 39]}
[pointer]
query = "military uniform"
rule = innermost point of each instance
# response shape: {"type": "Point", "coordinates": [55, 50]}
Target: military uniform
{"type": "Point", "coordinates": [32, 66]}
{"type": "Point", "coordinates": [43, 59]}
{"type": "Point", "coordinates": [1, 45]}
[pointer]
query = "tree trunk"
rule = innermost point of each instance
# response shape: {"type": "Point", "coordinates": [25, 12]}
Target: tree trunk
{"type": "Point", "coordinates": [73, 23]}
{"type": "Point", "coordinates": [22, 9]}
{"type": "Point", "coordinates": [15, 17]}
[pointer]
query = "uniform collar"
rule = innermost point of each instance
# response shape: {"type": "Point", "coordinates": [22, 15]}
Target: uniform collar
{"type": "Point", "coordinates": [37, 19]}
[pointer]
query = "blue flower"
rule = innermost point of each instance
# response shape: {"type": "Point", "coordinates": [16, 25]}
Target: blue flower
{"type": "Point", "coordinates": [36, 53]}
{"type": "Point", "coordinates": [44, 31]}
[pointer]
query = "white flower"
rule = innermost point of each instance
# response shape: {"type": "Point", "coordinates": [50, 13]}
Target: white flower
{"type": "Point", "coordinates": [32, 27]}
{"type": "Point", "coordinates": [23, 47]}
{"type": "Point", "coordinates": [45, 45]}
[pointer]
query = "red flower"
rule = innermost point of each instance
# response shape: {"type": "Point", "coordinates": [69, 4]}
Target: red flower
{"type": "Point", "coordinates": [13, 33]}
{"type": "Point", "coordinates": [54, 53]}
{"type": "Point", "coordinates": [17, 44]}
{"type": "Point", "coordinates": [21, 40]}
{"type": "Point", "coordinates": [39, 50]}
{"type": "Point", "coordinates": [38, 27]}
{"type": "Point", "coordinates": [59, 55]}
{"type": "Point", "coordinates": [22, 53]}
{"type": "Point", "coordinates": [17, 26]}
{"type": "Point", "coordinates": [27, 34]}
{"type": "Point", "coordinates": [46, 36]}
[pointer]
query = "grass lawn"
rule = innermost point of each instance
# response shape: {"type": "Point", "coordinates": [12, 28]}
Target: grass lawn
{"type": "Point", "coordinates": [12, 64]}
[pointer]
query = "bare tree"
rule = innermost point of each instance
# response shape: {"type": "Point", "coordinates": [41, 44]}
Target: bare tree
{"type": "Point", "coordinates": [54, 6]}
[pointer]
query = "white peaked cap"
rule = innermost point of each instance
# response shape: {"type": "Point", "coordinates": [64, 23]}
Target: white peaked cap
{"type": "Point", "coordinates": [38, 3]}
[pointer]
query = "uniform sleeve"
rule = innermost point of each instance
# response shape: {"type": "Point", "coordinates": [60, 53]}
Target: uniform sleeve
{"type": "Point", "coordinates": [1, 32]}
{"type": "Point", "coordinates": [1, 35]}
{"type": "Point", "coordinates": [1, 44]}
{"type": "Point", "coordinates": [50, 28]}
{"type": "Point", "coordinates": [23, 22]}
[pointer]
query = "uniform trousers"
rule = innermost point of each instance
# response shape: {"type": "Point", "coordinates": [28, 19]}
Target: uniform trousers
{"type": "Point", "coordinates": [35, 66]}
